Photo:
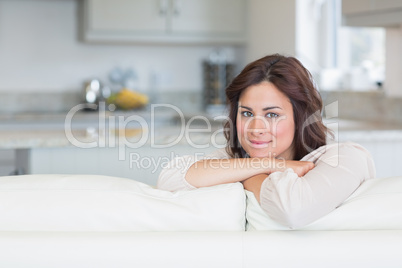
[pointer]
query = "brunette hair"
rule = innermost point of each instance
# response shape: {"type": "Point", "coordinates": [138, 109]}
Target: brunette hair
{"type": "Point", "coordinates": [296, 82]}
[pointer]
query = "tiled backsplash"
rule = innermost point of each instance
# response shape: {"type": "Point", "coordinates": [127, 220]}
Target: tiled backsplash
{"type": "Point", "coordinates": [372, 106]}
{"type": "Point", "coordinates": [38, 102]}
{"type": "Point", "coordinates": [368, 106]}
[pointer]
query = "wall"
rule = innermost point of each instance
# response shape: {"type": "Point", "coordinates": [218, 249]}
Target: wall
{"type": "Point", "coordinates": [307, 35]}
{"type": "Point", "coordinates": [272, 28]}
{"type": "Point", "coordinates": [40, 52]}
{"type": "Point", "coordinates": [288, 27]}
{"type": "Point", "coordinates": [393, 68]}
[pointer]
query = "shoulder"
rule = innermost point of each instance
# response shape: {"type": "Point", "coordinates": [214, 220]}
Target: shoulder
{"type": "Point", "coordinates": [337, 148]}
{"type": "Point", "coordinates": [342, 154]}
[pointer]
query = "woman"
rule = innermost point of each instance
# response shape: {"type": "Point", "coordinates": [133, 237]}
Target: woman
{"type": "Point", "coordinates": [276, 146]}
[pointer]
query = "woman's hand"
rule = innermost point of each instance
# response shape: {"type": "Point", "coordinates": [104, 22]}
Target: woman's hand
{"type": "Point", "coordinates": [299, 167]}
{"type": "Point", "coordinates": [253, 184]}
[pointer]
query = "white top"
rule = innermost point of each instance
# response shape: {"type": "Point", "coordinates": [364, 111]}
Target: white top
{"type": "Point", "coordinates": [295, 201]}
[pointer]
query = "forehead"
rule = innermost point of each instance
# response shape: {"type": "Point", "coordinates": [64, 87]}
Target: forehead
{"type": "Point", "coordinates": [262, 94]}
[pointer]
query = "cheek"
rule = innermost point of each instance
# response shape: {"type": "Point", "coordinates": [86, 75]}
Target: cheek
{"type": "Point", "coordinates": [285, 129]}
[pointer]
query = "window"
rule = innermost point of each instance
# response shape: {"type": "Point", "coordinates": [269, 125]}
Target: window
{"type": "Point", "coordinates": [361, 57]}
{"type": "Point", "coordinates": [340, 57]}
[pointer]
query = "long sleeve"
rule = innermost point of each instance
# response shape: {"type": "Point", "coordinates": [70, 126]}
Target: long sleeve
{"type": "Point", "coordinates": [172, 177]}
{"type": "Point", "coordinates": [297, 201]}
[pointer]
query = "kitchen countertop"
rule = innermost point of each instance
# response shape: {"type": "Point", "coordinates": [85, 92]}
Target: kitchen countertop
{"type": "Point", "coordinates": [48, 130]}
{"type": "Point", "coordinates": [131, 128]}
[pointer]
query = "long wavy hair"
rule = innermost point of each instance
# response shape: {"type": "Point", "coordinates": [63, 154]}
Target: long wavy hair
{"type": "Point", "coordinates": [296, 82]}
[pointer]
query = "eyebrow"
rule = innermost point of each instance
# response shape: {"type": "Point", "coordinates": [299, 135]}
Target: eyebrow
{"type": "Point", "coordinates": [264, 109]}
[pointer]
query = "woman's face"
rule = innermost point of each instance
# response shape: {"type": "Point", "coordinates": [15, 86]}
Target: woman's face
{"type": "Point", "coordinates": [265, 124]}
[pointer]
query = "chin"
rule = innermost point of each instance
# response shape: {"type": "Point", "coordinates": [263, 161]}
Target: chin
{"type": "Point", "coordinates": [254, 154]}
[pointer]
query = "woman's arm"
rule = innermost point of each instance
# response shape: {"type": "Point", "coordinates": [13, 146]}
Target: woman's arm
{"type": "Point", "coordinates": [253, 184]}
{"type": "Point", "coordinates": [296, 201]}
{"type": "Point", "coordinates": [188, 172]}
{"type": "Point", "coordinates": [218, 171]}
{"type": "Point", "coordinates": [211, 172]}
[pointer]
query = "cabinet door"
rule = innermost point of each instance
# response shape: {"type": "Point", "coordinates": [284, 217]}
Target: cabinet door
{"type": "Point", "coordinates": [208, 17]}
{"type": "Point", "coordinates": [126, 16]}
{"type": "Point", "coordinates": [387, 5]}
{"type": "Point", "coordinates": [369, 13]}
{"type": "Point", "coordinates": [366, 6]}
{"type": "Point", "coordinates": [165, 21]}
{"type": "Point", "coordinates": [356, 6]}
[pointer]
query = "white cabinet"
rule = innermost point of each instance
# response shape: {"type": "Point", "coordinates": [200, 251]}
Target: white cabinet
{"type": "Point", "coordinates": [6, 161]}
{"type": "Point", "coordinates": [142, 164]}
{"type": "Point", "coordinates": [377, 13]}
{"type": "Point", "coordinates": [165, 21]}
{"type": "Point", "coordinates": [135, 16]}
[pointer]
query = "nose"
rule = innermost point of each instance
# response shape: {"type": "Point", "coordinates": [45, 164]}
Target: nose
{"type": "Point", "coordinates": [258, 126]}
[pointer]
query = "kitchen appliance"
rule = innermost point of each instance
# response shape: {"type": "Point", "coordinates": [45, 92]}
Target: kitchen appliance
{"type": "Point", "coordinates": [217, 74]}
{"type": "Point", "coordinates": [94, 92]}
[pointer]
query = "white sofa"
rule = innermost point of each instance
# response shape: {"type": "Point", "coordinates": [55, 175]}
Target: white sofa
{"type": "Point", "coordinates": [99, 221]}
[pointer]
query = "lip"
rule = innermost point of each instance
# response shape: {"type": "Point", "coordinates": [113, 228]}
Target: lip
{"type": "Point", "coordinates": [259, 144]}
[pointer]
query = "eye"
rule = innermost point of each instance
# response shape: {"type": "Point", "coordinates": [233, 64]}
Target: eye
{"type": "Point", "coordinates": [271, 115]}
{"type": "Point", "coordinates": [247, 114]}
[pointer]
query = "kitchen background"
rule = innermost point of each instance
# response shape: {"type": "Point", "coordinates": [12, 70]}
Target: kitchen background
{"type": "Point", "coordinates": [50, 48]}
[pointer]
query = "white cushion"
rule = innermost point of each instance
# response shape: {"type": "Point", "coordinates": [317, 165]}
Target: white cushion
{"type": "Point", "coordinates": [102, 203]}
{"type": "Point", "coordinates": [375, 205]}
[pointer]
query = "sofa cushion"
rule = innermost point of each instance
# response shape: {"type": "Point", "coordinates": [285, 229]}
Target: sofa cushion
{"type": "Point", "coordinates": [375, 205]}
{"type": "Point", "coordinates": [102, 203]}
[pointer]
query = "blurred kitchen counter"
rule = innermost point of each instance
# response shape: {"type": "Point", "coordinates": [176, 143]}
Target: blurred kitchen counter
{"type": "Point", "coordinates": [35, 130]}
{"type": "Point", "coordinates": [42, 143]}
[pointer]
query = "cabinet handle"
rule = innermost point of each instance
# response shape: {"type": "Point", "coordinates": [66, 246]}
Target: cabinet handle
{"type": "Point", "coordinates": [176, 7]}
{"type": "Point", "coordinates": [163, 7]}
